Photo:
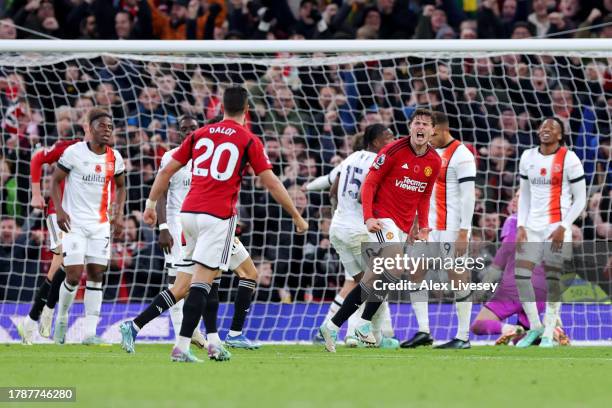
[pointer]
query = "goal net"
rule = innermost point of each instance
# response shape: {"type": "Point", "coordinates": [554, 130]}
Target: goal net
{"type": "Point", "coordinates": [308, 100]}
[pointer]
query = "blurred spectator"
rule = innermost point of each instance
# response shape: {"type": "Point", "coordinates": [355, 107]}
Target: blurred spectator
{"type": "Point", "coordinates": [431, 21]}
{"type": "Point", "coordinates": [284, 112]}
{"type": "Point", "coordinates": [7, 29]}
{"type": "Point", "coordinates": [8, 191]}
{"type": "Point", "coordinates": [183, 22]}
{"type": "Point", "coordinates": [150, 114]}
{"type": "Point", "coordinates": [39, 17]}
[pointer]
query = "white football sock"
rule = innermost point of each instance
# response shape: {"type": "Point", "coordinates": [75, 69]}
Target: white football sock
{"type": "Point", "coordinates": [527, 296]}
{"type": "Point", "coordinates": [93, 305]}
{"type": "Point", "coordinates": [420, 306]}
{"type": "Point", "coordinates": [182, 343]}
{"type": "Point", "coordinates": [213, 338]}
{"type": "Point", "coordinates": [550, 318]}
{"type": "Point", "coordinates": [464, 312]}
{"type": "Point", "coordinates": [354, 320]}
{"type": "Point", "coordinates": [176, 316]}
{"type": "Point", "coordinates": [334, 307]}
{"type": "Point", "coordinates": [66, 297]}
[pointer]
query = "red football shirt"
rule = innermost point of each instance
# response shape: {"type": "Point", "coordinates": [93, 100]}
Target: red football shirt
{"type": "Point", "coordinates": [220, 153]}
{"type": "Point", "coordinates": [49, 156]}
{"type": "Point", "coordinates": [400, 183]}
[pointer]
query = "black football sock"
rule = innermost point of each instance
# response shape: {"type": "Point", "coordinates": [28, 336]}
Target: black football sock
{"type": "Point", "coordinates": [193, 308]}
{"type": "Point", "coordinates": [40, 299]}
{"type": "Point", "coordinates": [246, 287]}
{"type": "Point", "coordinates": [370, 309]}
{"type": "Point", "coordinates": [162, 302]}
{"type": "Point", "coordinates": [56, 284]}
{"type": "Point", "coordinates": [212, 308]}
{"type": "Point", "coordinates": [352, 302]}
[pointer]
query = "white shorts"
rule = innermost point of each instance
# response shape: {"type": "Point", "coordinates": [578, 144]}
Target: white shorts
{"type": "Point", "coordinates": [55, 234]}
{"type": "Point", "coordinates": [347, 243]}
{"type": "Point", "coordinates": [447, 241]}
{"type": "Point", "coordinates": [208, 241]}
{"type": "Point", "coordinates": [538, 249]}
{"type": "Point", "coordinates": [389, 233]}
{"type": "Point", "coordinates": [174, 259]}
{"type": "Point", "coordinates": [239, 255]}
{"type": "Point", "coordinates": [87, 244]}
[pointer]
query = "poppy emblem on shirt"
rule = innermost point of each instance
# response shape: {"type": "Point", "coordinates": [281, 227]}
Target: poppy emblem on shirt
{"type": "Point", "coordinates": [428, 171]}
{"type": "Point", "coordinates": [542, 171]}
{"type": "Point", "coordinates": [389, 235]}
{"type": "Point", "coordinates": [98, 168]}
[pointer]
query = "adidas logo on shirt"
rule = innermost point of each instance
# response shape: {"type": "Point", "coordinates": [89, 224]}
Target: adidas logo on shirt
{"type": "Point", "coordinates": [405, 166]}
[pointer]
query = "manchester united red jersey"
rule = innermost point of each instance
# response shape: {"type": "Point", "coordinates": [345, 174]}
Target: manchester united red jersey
{"type": "Point", "coordinates": [400, 183]}
{"type": "Point", "coordinates": [220, 153]}
{"type": "Point", "coordinates": [49, 156]}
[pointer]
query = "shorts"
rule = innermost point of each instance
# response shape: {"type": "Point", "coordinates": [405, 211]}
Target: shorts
{"type": "Point", "coordinates": [447, 241]}
{"type": "Point", "coordinates": [506, 308]}
{"type": "Point", "coordinates": [208, 241]}
{"type": "Point", "coordinates": [55, 234]}
{"type": "Point", "coordinates": [537, 249]}
{"type": "Point", "coordinates": [347, 243]}
{"type": "Point", "coordinates": [389, 233]}
{"type": "Point", "coordinates": [238, 256]}
{"type": "Point", "coordinates": [87, 244]}
{"type": "Point", "coordinates": [174, 259]}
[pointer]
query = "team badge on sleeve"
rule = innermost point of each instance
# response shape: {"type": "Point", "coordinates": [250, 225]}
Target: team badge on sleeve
{"type": "Point", "coordinates": [380, 160]}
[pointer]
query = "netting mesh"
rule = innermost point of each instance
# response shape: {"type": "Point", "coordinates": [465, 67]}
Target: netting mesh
{"type": "Point", "coordinates": [307, 109]}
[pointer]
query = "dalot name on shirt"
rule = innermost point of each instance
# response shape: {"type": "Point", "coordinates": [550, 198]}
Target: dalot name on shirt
{"type": "Point", "coordinates": [222, 130]}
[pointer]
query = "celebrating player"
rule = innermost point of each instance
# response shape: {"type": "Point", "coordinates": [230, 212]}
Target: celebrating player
{"type": "Point", "coordinates": [398, 186]}
{"type": "Point", "coordinates": [220, 153]}
{"type": "Point", "coordinates": [168, 213]}
{"type": "Point", "coordinates": [552, 196]}
{"type": "Point", "coordinates": [347, 231]}
{"type": "Point", "coordinates": [451, 220]}
{"type": "Point", "coordinates": [41, 313]}
{"type": "Point", "coordinates": [83, 214]}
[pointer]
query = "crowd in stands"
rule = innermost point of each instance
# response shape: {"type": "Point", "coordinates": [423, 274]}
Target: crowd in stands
{"type": "Point", "coordinates": [308, 117]}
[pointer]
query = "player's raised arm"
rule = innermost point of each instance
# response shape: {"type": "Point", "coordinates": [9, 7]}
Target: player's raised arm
{"type": "Point", "coordinates": [281, 196]}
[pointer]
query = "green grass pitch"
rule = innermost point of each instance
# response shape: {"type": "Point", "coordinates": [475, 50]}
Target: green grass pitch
{"type": "Point", "coordinates": [306, 376]}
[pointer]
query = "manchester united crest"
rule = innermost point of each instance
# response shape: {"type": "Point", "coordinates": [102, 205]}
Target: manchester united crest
{"type": "Point", "coordinates": [428, 171]}
{"type": "Point", "coordinates": [389, 235]}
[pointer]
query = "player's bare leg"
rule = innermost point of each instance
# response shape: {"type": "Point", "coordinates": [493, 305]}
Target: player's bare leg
{"type": "Point", "coordinates": [487, 323]}
{"type": "Point", "coordinates": [247, 272]}
{"type": "Point", "coordinates": [523, 272]}
{"type": "Point", "coordinates": [58, 276]}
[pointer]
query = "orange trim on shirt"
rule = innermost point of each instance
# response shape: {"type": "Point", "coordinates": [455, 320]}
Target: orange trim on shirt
{"type": "Point", "coordinates": [440, 186]}
{"type": "Point", "coordinates": [109, 170]}
{"type": "Point", "coordinates": [556, 181]}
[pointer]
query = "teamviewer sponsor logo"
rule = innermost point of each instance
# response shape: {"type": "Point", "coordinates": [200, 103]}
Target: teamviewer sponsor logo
{"type": "Point", "coordinates": [411, 185]}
